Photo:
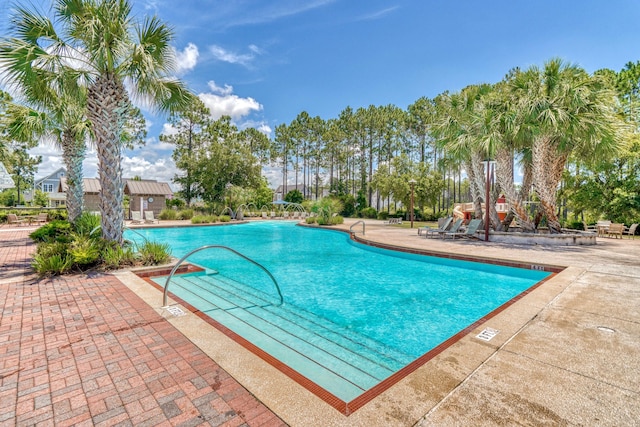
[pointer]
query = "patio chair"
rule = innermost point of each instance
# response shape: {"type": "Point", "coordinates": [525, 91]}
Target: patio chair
{"type": "Point", "coordinates": [149, 218]}
{"type": "Point", "coordinates": [443, 228]}
{"type": "Point", "coordinates": [469, 232]}
{"type": "Point", "coordinates": [441, 223]}
{"type": "Point", "coordinates": [602, 227]}
{"type": "Point", "coordinates": [631, 231]}
{"type": "Point", "coordinates": [42, 218]}
{"type": "Point", "coordinates": [13, 219]}
{"type": "Point", "coordinates": [136, 217]}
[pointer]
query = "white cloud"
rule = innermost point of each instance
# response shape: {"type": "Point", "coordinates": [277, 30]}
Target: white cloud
{"type": "Point", "coordinates": [168, 129]}
{"type": "Point", "coordinates": [244, 59]}
{"type": "Point", "coordinates": [186, 59]}
{"type": "Point", "coordinates": [378, 14]}
{"type": "Point", "coordinates": [226, 90]}
{"type": "Point", "coordinates": [259, 125]}
{"type": "Point", "coordinates": [221, 102]}
{"type": "Point", "coordinates": [270, 11]}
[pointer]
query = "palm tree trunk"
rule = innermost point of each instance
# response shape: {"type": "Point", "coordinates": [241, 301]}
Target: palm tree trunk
{"type": "Point", "coordinates": [477, 181]}
{"type": "Point", "coordinates": [504, 175]}
{"type": "Point", "coordinates": [547, 172]}
{"type": "Point", "coordinates": [73, 154]}
{"type": "Point", "coordinates": [106, 104]}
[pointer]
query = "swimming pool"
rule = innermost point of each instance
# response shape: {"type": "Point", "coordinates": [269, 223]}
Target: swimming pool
{"type": "Point", "coordinates": [386, 308]}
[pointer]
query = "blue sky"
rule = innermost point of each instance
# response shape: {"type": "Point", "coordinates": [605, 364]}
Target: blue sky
{"type": "Point", "coordinates": [263, 62]}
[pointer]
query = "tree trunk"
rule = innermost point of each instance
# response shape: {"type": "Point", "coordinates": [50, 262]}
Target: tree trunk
{"type": "Point", "coordinates": [548, 164]}
{"type": "Point", "coordinates": [106, 105]}
{"type": "Point", "coordinates": [476, 181]}
{"type": "Point", "coordinates": [504, 175]}
{"type": "Point", "coordinates": [73, 154]}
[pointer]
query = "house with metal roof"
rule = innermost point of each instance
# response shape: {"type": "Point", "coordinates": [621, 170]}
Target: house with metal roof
{"type": "Point", "coordinates": [50, 185]}
{"type": "Point", "coordinates": [147, 195]}
{"type": "Point", "coordinates": [144, 195]}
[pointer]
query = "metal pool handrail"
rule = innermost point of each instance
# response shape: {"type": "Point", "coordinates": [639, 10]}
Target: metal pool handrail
{"type": "Point", "coordinates": [166, 285]}
{"type": "Point", "coordinates": [356, 223]}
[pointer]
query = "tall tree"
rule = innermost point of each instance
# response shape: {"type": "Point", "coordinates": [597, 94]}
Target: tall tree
{"type": "Point", "coordinates": [566, 110]}
{"type": "Point", "coordinates": [188, 136]}
{"type": "Point", "coordinates": [22, 167]}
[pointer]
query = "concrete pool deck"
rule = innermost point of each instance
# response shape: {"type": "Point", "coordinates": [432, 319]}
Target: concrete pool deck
{"type": "Point", "coordinates": [567, 353]}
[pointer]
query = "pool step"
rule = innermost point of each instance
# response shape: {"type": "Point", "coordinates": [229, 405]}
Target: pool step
{"type": "Point", "coordinates": [348, 338]}
{"type": "Point", "coordinates": [336, 359]}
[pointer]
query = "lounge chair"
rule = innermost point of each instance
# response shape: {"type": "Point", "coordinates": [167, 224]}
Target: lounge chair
{"type": "Point", "coordinates": [149, 218]}
{"type": "Point", "coordinates": [393, 221]}
{"type": "Point", "coordinates": [264, 215]}
{"type": "Point", "coordinates": [136, 217]}
{"type": "Point", "coordinates": [469, 232]}
{"type": "Point", "coordinates": [441, 223]}
{"type": "Point", "coordinates": [631, 231]}
{"type": "Point", "coordinates": [444, 227]}
{"type": "Point", "coordinates": [453, 229]}
{"type": "Point", "coordinates": [13, 219]}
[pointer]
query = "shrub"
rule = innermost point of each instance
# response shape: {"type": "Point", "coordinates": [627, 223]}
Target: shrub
{"type": "Point", "coordinates": [311, 220]}
{"type": "Point", "coordinates": [52, 265]}
{"type": "Point", "coordinates": [84, 250]}
{"type": "Point", "coordinates": [57, 230]}
{"type": "Point", "coordinates": [87, 224]}
{"type": "Point", "coordinates": [224, 218]}
{"type": "Point", "coordinates": [369, 212]}
{"type": "Point", "coordinates": [575, 225]}
{"type": "Point", "coordinates": [52, 259]}
{"type": "Point", "coordinates": [168, 214]}
{"type": "Point", "coordinates": [203, 219]}
{"type": "Point", "coordinates": [185, 214]}
{"type": "Point", "coordinates": [337, 220]}
{"type": "Point", "coordinates": [115, 256]}
{"type": "Point", "coordinates": [48, 249]}
{"type": "Point", "coordinates": [199, 219]}
{"type": "Point", "coordinates": [154, 253]}
{"type": "Point", "coordinates": [383, 215]}
{"type": "Point", "coordinates": [57, 214]}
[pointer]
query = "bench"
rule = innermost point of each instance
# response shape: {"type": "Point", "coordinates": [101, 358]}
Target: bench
{"type": "Point", "coordinates": [615, 230]}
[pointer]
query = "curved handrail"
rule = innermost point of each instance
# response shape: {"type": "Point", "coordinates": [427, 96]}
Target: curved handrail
{"type": "Point", "coordinates": [166, 285]}
{"type": "Point", "coordinates": [356, 223]}
{"type": "Point", "coordinates": [136, 232]}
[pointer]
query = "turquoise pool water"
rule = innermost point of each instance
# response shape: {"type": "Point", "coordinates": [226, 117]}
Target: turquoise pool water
{"type": "Point", "coordinates": [408, 303]}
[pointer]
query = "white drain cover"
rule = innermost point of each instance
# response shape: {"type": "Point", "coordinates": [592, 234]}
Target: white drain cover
{"type": "Point", "coordinates": [175, 310]}
{"type": "Point", "coordinates": [487, 334]}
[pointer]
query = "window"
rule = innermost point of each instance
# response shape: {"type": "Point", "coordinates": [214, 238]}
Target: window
{"type": "Point", "coordinates": [47, 188]}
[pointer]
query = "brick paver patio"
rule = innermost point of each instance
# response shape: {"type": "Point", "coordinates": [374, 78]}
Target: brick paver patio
{"type": "Point", "coordinates": [85, 350]}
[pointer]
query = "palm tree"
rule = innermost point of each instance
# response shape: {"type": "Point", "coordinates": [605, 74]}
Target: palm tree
{"type": "Point", "coordinates": [103, 46]}
{"type": "Point", "coordinates": [565, 111]}
{"type": "Point", "coordinates": [58, 113]}
{"type": "Point", "coordinates": [465, 127]}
